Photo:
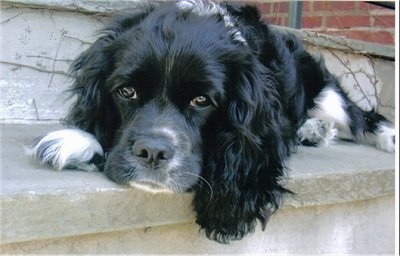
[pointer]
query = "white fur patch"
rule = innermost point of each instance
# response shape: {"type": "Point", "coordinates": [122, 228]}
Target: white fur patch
{"type": "Point", "coordinates": [177, 159]}
{"type": "Point", "coordinates": [209, 8]}
{"type": "Point", "coordinates": [329, 106]}
{"type": "Point", "coordinates": [66, 147]}
{"type": "Point", "coordinates": [202, 8]}
{"type": "Point", "coordinates": [383, 138]}
{"type": "Point", "coordinates": [169, 133]}
{"type": "Point", "coordinates": [317, 131]}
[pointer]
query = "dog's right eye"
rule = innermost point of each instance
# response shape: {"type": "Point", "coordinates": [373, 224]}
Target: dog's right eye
{"type": "Point", "coordinates": [128, 92]}
{"type": "Point", "coordinates": [200, 102]}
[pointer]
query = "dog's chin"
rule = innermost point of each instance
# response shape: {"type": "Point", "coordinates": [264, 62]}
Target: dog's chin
{"type": "Point", "coordinates": [151, 187]}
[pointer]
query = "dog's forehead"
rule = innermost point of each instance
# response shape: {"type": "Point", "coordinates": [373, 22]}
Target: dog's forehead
{"type": "Point", "coordinates": [179, 50]}
{"type": "Point", "coordinates": [161, 44]}
{"type": "Point", "coordinates": [210, 9]}
{"type": "Point", "coordinates": [165, 35]}
{"type": "Point", "coordinates": [187, 20]}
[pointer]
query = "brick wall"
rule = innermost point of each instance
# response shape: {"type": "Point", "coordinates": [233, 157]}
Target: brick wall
{"type": "Point", "coordinates": [356, 20]}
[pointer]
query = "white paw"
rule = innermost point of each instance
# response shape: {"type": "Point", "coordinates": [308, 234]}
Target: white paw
{"type": "Point", "coordinates": [317, 132]}
{"type": "Point", "coordinates": [69, 148]}
{"type": "Point", "coordinates": [386, 139]}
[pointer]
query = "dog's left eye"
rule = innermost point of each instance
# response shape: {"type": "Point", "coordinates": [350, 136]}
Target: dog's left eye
{"type": "Point", "coordinates": [200, 102]}
{"type": "Point", "coordinates": [128, 93]}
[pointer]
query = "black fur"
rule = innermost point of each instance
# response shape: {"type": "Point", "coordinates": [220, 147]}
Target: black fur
{"type": "Point", "coordinates": [256, 85]}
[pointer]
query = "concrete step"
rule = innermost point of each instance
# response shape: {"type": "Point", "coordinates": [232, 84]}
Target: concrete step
{"type": "Point", "coordinates": [41, 206]}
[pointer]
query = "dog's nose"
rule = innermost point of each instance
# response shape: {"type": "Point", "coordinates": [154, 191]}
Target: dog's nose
{"type": "Point", "coordinates": [152, 153]}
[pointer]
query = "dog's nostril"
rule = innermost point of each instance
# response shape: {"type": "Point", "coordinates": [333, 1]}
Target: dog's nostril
{"type": "Point", "coordinates": [165, 154]}
{"type": "Point", "coordinates": [142, 153]}
{"type": "Point", "coordinates": [152, 152]}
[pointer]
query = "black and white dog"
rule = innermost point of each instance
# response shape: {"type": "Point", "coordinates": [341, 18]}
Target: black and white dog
{"type": "Point", "coordinates": [199, 96]}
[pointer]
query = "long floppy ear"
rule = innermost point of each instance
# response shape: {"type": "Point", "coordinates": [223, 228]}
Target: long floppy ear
{"type": "Point", "coordinates": [94, 110]}
{"type": "Point", "coordinates": [245, 156]}
{"type": "Point", "coordinates": [93, 107]}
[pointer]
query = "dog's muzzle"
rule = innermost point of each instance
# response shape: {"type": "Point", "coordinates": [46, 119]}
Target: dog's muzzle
{"type": "Point", "coordinates": [158, 151]}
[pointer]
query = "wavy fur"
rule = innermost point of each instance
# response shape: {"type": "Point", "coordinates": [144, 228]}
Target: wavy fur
{"type": "Point", "coordinates": [203, 97]}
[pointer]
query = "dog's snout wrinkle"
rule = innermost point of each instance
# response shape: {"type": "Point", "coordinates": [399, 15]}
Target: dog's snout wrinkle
{"type": "Point", "coordinates": [153, 153]}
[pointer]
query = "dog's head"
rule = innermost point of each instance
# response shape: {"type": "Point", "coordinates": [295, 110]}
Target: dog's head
{"type": "Point", "coordinates": [178, 98]}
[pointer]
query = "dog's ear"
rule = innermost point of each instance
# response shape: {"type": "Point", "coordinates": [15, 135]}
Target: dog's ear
{"type": "Point", "coordinates": [94, 110]}
{"type": "Point", "coordinates": [91, 110]}
{"type": "Point", "coordinates": [244, 158]}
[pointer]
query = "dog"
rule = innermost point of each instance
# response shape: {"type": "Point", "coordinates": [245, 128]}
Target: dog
{"type": "Point", "coordinates": [203, 97]}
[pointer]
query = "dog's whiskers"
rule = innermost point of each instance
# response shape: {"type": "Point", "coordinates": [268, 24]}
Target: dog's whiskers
{"type": "Point", "coordinates": [203, 180]}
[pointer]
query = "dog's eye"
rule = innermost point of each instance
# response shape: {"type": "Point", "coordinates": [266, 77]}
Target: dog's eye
{"type": "Point", "coordinates": [128, 93]}
{"type": "Point", "coordinates": [200, 101]}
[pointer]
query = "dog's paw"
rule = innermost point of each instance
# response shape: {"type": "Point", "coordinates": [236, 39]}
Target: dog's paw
{"type": "Point", "coordinates": [386, 139]}
{"type": "Point", "coordinates": [316, 132]}
{"type": "Point", "coordinates": [67, 149]}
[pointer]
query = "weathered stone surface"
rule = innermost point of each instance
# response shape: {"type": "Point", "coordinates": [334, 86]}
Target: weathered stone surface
{"type": "Point", "coordinates": [363, 227]}
{"type": "Point", "coordinates": [37, 48]}
{"type": "Point", "coordinates": [39, 203]}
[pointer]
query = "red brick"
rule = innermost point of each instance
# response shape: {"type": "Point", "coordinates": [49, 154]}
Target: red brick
{"type": "Point", "coordinates": [384, 21]}
{"type": "Point", "coordinates": [311, 22]}
{"type": "Point", "coordinates": [359, 35]}
{"type": "Point", "coordinates": [264, 8]}
{"type": "Point", "coordinates": [271, 20]}
{"type": "Point", "coordinates": [333, 5]}
{"type": "Point", "coordinates": [284, 21]}
{"type": "Point", "coordinates": [280, 20]}
{"type": "Point", "coordinates": [382, 37]}
{"type": "Point", "coordinates": [368, 6]}
{"type": "Point", "coordinates": [280, 7]}
{"type": "Point", "coordinates": [307, 6]}
{"type": "Point", "coordinates": [347, 21]}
